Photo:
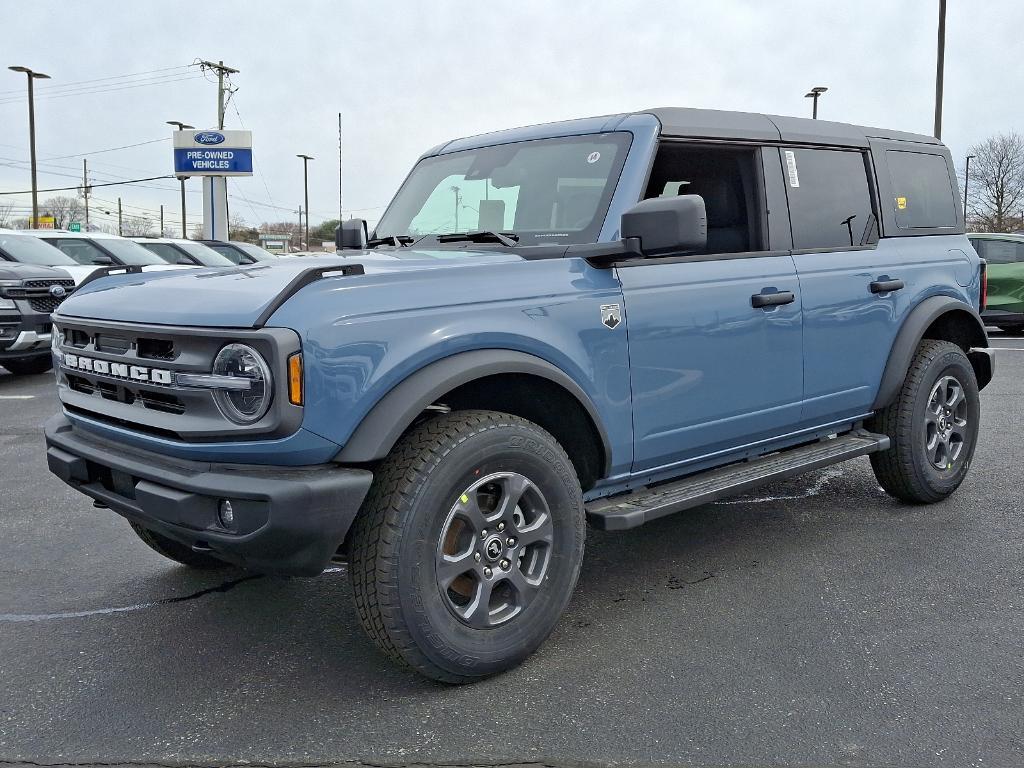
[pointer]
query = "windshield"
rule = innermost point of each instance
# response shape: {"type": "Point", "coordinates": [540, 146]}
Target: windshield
{"type": "Point", "coordinates": [128, 252]}
{"type": "Point", "coordinates": [256, 252]}
{"type": "Point", "coordinates": [205, 255]}
{"type": "Point", "coordinates": [30, 250]}
{"type": "Point", "coordinates": [548, 191]}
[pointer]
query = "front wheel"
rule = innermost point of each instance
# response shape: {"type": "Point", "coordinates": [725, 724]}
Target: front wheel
{"type": "Point", "coordinates": [469, 545]}
{"type": "Point", "coordinates": [932, 426]}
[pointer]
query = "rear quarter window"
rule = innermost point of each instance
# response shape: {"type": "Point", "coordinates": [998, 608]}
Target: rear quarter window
{"type": "Point", "coordinates": [922, 190]}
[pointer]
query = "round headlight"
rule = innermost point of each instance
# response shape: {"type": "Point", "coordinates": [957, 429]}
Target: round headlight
{"type": "Point", "coordinates": [243, 406]}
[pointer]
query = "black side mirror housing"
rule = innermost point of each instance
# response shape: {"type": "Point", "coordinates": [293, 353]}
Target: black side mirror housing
{"type": "Point", "coordinates": [351, 234]}
{"type": "Point", "coordinates": [667, 224]}
{"type": "Point", "coordinates": [103, 261]}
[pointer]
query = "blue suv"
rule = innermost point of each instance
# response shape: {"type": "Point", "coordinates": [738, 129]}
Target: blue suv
{"type": "Point", "coordinates": [607, 320]}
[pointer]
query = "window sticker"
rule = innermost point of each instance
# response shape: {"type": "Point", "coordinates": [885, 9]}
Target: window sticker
{"type": "Point", "coordinates": [794, 177]}
{"type": "Point", "coordinates": [901, 203]}
{"type": "Point", "coordinates": [593, 157]}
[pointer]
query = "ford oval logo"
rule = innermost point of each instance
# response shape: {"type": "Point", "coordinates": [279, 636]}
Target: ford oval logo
{"type": "Point", "coordinates": [209, 137]}
{"type": "Point", "coordinates": [58, 291]}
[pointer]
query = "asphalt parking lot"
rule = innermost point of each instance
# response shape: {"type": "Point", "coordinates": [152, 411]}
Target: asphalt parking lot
{"type": "Point", "coordinates": [814, 622]}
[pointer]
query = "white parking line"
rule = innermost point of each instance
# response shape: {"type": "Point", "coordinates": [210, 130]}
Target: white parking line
{"type": "Point", "coordinates": [1010, 349]}
{"type": "Point", "coordinates": [16, 397]}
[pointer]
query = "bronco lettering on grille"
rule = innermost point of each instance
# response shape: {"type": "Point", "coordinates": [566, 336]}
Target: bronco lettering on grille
{"type": "Point", "coordinates": [118, 370]}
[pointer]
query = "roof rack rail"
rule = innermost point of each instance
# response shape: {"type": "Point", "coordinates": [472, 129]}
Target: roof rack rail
{"type": "Point", "coordinates": [128, 269]}
{"type": "Point", "coordinates": [301, 280]}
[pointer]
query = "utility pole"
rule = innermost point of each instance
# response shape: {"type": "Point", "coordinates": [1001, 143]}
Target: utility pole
{"type": "Point", "coordinates": [814, 94]}
{"type": "Point", "coordinates": [298, 235]}
{"type": "Point", "coordinates": [215, 187]}
{"type": "Point", "coordinates": [85, 190]}
{"type": "Point", "coordinates": [967, 181]}
{"type": "Point", "coordinates": [339, 170]}
{"type": "Point", "coordinates": [120, 225]}
{"type": "Point", "coordinates": [161, 219]}
{"type": "Point", "coordinates": [940, 59]}
{"type": "Point", "coordinates": [305, 184]}
{"type": "Point", "coordinates": [32, 77]}
{"type": "Point", "coordinates": [182, 127]}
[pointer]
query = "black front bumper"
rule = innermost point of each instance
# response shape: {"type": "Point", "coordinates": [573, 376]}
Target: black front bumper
{"type": "Point", "coordinates": [288, 520]}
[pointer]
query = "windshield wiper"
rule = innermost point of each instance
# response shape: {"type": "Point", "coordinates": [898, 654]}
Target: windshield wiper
{"type": "Point", "coordinates": [508, 239]}
{"type": "Point", "coordinates": [394, 240]}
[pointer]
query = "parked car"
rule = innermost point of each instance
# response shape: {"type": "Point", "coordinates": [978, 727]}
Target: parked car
{"type": "Point", "coordinates": [187, 252]}
{"type": "Point", "coordinates": [616, 318]}
{"type": "Point", "coordinates": [239, 252]}
{"type": "Point", "coordinates": [1004, 255]}
{"type": "Point", "coordinates": [17, 246]}
{"type": "Point", "coordinates": [28, 294]}
{"type": "Point", "coordinates": [98, 249]}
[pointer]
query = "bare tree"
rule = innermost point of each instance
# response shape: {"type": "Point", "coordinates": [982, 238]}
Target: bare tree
{"type": "Point", "coordinates": [996, 190]}
{"type": "Point", "coordinates": [64, 210]}
{"type": "Point", "coordinates": [5, 213]}
{"type": "Point", "coordinates": [137, 226]}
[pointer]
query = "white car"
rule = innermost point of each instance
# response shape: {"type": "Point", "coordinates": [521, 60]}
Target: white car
{"type": "Point", "coordinates": [98, 249]}
{"type": "Point", "coordinates": [17, 246]}
{"type": "Point", "coordinates": [175, 250]}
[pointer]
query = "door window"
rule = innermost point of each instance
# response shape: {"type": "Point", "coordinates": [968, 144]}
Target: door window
{"type": "Point", "coordinates": [725, 179]}
{"type": "Point", "coordinates": [81, 251]}
{"type": "Point", "coordinates": [829, 198]}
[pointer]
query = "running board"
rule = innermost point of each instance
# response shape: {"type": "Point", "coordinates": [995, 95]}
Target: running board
{"type": "Point", "coordinates": [625, 511]}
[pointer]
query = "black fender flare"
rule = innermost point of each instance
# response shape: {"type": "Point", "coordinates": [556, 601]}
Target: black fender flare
{"type": "Point", "coordinates": [910, 334]}
{"type": "Point", "coordinates": [392, 414]}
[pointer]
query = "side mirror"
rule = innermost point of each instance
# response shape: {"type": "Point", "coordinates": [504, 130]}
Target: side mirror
{"type": "Point", "coordinates": [351, 234]}
{"type": "Point", "coordinates": [103, 261]}
{"type": "Point", "coordinates": [667, 224]}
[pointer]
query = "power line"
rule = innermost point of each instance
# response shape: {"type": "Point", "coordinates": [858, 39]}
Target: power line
{"type": "Point", "coordinates": [111, 149]}
{"type": "Point", "coordinates": [108, 184]}
{"type": "Point", "coordinates": [93, 91]}
{"type": "Point", "coordinates": [110, 77]}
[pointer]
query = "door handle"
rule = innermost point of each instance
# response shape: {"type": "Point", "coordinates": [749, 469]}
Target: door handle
{"type": "Point", "coordinates": [886, 286]}
{"type": "Point", "coordinates": [760, 300]}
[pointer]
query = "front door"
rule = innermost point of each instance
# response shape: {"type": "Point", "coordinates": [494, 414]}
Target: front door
{"type": "Point", "coordinates": [715, 338]}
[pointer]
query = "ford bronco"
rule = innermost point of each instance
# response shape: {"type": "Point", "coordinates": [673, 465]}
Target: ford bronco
{"type": "Point", "coordinates": [605, 320]}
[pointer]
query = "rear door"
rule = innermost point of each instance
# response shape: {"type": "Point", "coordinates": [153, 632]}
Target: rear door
{"type": "Point", "coordinates": [858, 289]}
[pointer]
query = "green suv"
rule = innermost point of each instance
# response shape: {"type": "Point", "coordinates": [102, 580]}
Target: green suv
{"type": "Point", "coordinates": [1005, 256]}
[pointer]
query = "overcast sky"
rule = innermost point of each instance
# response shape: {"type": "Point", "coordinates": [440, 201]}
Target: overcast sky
{"type": "Point", "coordinates": [409, 75]}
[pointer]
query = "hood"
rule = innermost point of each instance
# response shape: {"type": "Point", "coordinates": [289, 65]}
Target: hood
{"type": "Point", "coordinates": [236, 297]}
{"type": "Point", "coordinates": [16, 271]}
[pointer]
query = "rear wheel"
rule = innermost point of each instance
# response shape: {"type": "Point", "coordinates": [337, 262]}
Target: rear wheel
{"type": "Point", "coordinates": [26, 366]}
{"type": "Point", "coordinates": [932, 426]}
{"type": "Point", "coordinates": [469, 545]}
{"type": "Point", "coordinates": [175, 551]}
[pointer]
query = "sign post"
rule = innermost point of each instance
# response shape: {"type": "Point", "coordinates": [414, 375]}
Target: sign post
{"type": "Point", "coordinates": [213, 155]}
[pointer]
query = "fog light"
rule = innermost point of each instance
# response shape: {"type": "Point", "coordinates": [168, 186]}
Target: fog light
{"type": "Point", "coordinates": [226, 513]}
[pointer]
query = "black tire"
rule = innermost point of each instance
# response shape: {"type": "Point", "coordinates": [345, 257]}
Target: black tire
{"type": "Point", "coordinates": [910, 468]}
{"type": "Point", "coordinates": [398, 553]}
{"type": "Point", "coordinates": [175, 551]}
{"type": "Point", "coordinates": [28, 366]}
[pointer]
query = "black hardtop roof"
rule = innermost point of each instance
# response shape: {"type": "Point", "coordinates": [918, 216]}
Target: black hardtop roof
{"type": "Point", "coordinates": [685, 122]}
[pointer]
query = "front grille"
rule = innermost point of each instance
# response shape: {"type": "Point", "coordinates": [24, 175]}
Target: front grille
{"type": "Point", "coordinates": [46, 304]}
{"type": "Point", "coordinates": [37, 293]}
{"type": "Point", "coordinates": [119, 396]}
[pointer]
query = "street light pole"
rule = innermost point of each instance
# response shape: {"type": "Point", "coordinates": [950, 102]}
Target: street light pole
{"type": "Point", "coordinates": [814, 93]}
{"type": "Point", "coordinates": [967, 181]}
{"type": "Point", "coordinates": [305, 183]}
{"type": "Point", "coordinates": [184, 231]}
{"type": "Point", "coordinates": [940, 59]}
{"type": "Point", "coordinates": [32, 77]}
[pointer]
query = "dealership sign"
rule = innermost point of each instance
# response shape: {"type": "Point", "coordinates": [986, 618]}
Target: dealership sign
{"type": "Point", "coordinates": [212, 153]}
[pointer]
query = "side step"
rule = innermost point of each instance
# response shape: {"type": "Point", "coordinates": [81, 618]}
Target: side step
{"type": "Point", "coordinates": [619, 513]}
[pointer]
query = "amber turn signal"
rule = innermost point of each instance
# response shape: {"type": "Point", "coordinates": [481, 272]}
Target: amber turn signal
{"type": "Point", "coordinates": [295, 379]}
